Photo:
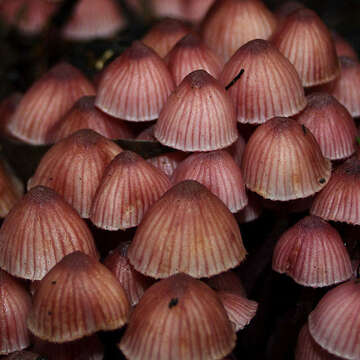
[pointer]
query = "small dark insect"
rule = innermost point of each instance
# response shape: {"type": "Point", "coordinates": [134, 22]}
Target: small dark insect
{"type": "Point", "coordinates": [50, 313]}
{"type": "Point", "coordinates": [304, 129]}
{"type": "Point", "coordinates": [322, 180]}
{"type": "Point", "coordinates": [53, 282]}
{"type": "Point", "coordinates": [173, 302]}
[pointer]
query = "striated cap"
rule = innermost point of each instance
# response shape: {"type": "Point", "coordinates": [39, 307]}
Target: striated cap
{"type": "Point", "coordinates": [198, 116]}
{"type": "Point", "coordinates": [15, 304]}
{"type": "Point", "coordinates": [340, 199]}
{"type": "Point", "coordinates": [308, 349]}
{"type": "Point", "coordinates": [135, 86]}
{"type": "Point", "coordinates": [133, 283]}
{"type": "Point", "coordinates": [92, 19]}
{"type": "Point", "coordinates": [188, 230]}
{"type": "Point", "coordinates": [178, 318]}
{"type": "Point", "coordinates": [191, 54]}
{"type": "Point", "coordinates": [78, 297]}
{"type": "Point", "coordinates": [165, 34]}
{"type": "Point", "coordinates": [44, 104]}
{"type": "Point", "coordinates": [283, 161]}
{"type": "Point", "coordinates": [38, 232]}
{"type": "Point", "coordinates": [346, 87]}
{"type": "Point", "coordinates": [239, 309]}
{"type": "Point", "coordinates": [219, 173]}
{"type": "Point", "coordinates": [230, 24]}
{"type": "Point", "coordinates": [331, 124]}
{"type": "Point", "coordinates": [8, 106]}
{"type": "Point", "coordinates": [335, 322]}
{"type": "Point", "coordinates": [73, 167]}
{"type": "Point", "coordinates": [269, 87]}
{"type": "Point", "coordinates": [303, 29]}
{"type": "Point", "coordinates": [312, 253]}
{"type": "Point", "coordinates": [128, 188]}
{"type": "Point", "coordinates": [84, 115]}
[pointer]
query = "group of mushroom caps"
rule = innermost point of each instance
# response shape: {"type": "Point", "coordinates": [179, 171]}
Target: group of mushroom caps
{"type": "Point", "coordinates": [227, 94]}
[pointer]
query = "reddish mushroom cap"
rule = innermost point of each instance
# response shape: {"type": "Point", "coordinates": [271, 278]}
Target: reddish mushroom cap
{"type": "Point", "coordinates": [335, 322]}
{"type": "Point", "coordinates": [190, 54]}
{"type": "Point", "coordinates": [135, 86]}
{"type": "Point", "coordinates": [128, 188]}
{"type": "Point", "coordinates": [44, 104]}
{"type": "Point", "coordinates": [303, 29]}
{"type": "Point", "coordinates": [312, 253]}
{"type": "Point", "coordinates": [269, 87]}
{"type": "Point", "coordinates": [188, 230]}
{"type": "Point", "coordinates": [38, 232]}
{"type": "Point", "coordinates": [92, 19]}
{"type": "Point", "coordinates": [84, 115]}
{"type": "Point", "coordinates": [340, 199]}
{"type": "Point", "coordinates": [78, 297]}
{"type": "Point", "coordinates": [331, 124]}
{"type": "Point", "coordinates": [178, 318]}
{"type": "Point", "coordinates": [230, 24]}
{"type": "Point", "coordinates": [198, 116]}
{"type": "Point", "coordinates": [15, 304]}
{"type": "Point", "coordinates": [219, 173]}
{"type": "Point", "coordinates": [164, 35]}
{"type": "Point", "coordinates": [283, 161]}
{"type": "Point", "coordinates": [73, 167]}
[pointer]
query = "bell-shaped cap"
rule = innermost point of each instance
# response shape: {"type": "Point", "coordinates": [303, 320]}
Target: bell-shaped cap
{"type": "Point", "coordinates": [129, 186]}
{"type": "Point", "coordinates": [164, 35]}
{"type": "Point", "coordinates": [178, 318]}
{"type": "Point", "coordinates": [93, 19]}
{"type": "Point", "coordinates": [187, 230]}
{"type": "Point", "coordinates": [312, 253]}
{"type": "Point", "coordinates": [191, 54]}
{"type": "Point", "coordinates": [335, 322]}
{"type": "Point", "coordinates": [340, 199]}
{"type": "Point", "coordinates": [39, 231]}
{"type": "Point", "coordinates": [135, 86]}
{"type": "Point", "coordinates": [219, 173]}
{"type": "Point", "coordinates": [269, 87]}
{"type": "Point", "coordinates": [44, 104]}
{"type": "Point", "coordinates": [84, 115]}
{"type": "Point", "coordinates": [331, 124]}
{"type": "Point", "coordinates": [77, 298]}
{"type": "Point", "coordinates": [15, 304]}
{"type": "Point", "coordinates": [198, 116]}
{"type": "Point", "coordinates": [283, 161]}
{"type": "Point", "coordinates": [230, 24]}
{"type": "Point", "coordinates": [303, 29]}
{"type": "Point", "coordinates": [308, 349]}
{"type": "Point", "coordinates": [74, 166]}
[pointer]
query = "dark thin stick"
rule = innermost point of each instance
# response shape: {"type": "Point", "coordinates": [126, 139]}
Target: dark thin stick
{"type": "Point", "coordinates": [234, 80]}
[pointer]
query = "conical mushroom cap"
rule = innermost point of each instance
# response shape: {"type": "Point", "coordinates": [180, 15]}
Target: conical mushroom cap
{"type": "Point", "coordinates": [78, 297]}
{"type": "Point", "coordinates": [198, 116]}
{"type": "Point", "coordinates": [178, 318]}
{"type": "Point", "coordinates": [283, 161]}
{"type": "Point", "coordinates": [187, 230]}
{"type": "Point", "coordinates": [39, 231]}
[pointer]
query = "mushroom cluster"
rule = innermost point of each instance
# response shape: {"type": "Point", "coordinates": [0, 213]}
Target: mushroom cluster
{"type": "Point", "coordinates": [153, 176]}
